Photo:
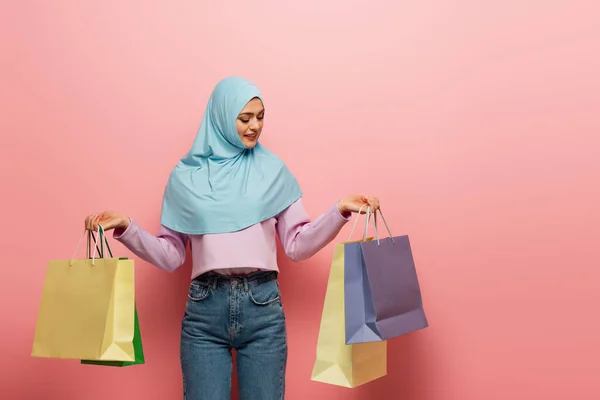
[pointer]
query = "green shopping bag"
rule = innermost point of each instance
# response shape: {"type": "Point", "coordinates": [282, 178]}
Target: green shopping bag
{"type": "Point", "coordinates": [137, 338]}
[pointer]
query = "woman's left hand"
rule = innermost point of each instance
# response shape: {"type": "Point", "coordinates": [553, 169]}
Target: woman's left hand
{"type": "Point", "coordinates": [354, 203]}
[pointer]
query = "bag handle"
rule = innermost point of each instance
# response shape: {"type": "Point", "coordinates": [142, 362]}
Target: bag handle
{"type": "Point", "coordinates": [368, 214]}
{"type": "Point", "coordinates": [386, 226]}
{"type": "Point", "coordinates": [102, 235]}
{"type": "Point", "coordinates": [91, 237]}
{"type": "Point", "coordinates": [87, 253]}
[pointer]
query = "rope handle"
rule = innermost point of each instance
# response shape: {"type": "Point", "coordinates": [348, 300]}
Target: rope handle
{"type": "Point", "coordinates": [102, 239]}
{"type": "Point", "coordinates": [368, 214]}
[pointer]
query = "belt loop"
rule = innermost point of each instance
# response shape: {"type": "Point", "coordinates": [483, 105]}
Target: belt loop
{"type": "Point", "coordinates": [214, 282]}
{"type": "Point", "coordinates": [245, 284]}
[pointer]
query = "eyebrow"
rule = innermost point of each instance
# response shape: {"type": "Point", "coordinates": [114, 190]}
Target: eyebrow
{"type": "Point", "coordinates": [249, 113]}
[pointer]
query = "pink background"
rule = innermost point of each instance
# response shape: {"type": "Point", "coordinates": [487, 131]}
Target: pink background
{"type": "Point", "coordinates": [476, 123]}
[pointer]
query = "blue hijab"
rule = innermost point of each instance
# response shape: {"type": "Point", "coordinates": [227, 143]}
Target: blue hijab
{"type": "Point", "coordinates": [220, 185]}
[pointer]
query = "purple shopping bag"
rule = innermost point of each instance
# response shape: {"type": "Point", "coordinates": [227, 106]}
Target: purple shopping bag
{"type": "Point", "coordinates": [382, 296]}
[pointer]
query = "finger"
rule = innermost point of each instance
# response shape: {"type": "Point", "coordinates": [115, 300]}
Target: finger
{"type": "Point", "coordinates": [377, 203]}
{"type": "Point", "coordinates": [370, 203]}
{"type": "Point", "coordinates": [95, 222]}
{"type": "Point", "coordinates": [89, 222]}
{"type": "Point", "coordinates": [374, 201]}
{"type": "Point", "coordinates": [108, 223]}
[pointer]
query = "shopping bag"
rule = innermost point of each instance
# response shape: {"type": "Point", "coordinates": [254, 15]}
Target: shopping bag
{"type": "Point", "coordinates": [87, 311]}
{"type": "Point", "coordinates": [381, 288]}
{"type": "Point", "coordinates": [137, 347]}
{"type": "Point", "coordinates": [336, 362]}
{"type": "Point", "coordinates": [137, 337]}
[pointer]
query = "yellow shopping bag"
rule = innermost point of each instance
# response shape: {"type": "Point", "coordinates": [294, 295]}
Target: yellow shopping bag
{"type": "Point", "coordinates": [87, 310]}
{"type": "Point", "coordinates": [338, 363]}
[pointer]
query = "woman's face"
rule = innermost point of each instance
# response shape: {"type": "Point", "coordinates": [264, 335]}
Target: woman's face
{"type": "Point", "coordinates": [249, 122]}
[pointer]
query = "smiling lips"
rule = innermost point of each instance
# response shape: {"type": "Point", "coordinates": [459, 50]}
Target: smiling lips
{"type": "Point", "coordinates": [252, 136]}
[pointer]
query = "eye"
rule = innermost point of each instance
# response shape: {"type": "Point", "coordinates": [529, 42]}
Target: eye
{"type": "Point", "coordinates": [260, 117]}
{"type": "Point", "coordinates": [244, 120]}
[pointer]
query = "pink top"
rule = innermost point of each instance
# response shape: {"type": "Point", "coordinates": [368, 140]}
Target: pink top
{"type": "Point", "coordinates": [241, 252]}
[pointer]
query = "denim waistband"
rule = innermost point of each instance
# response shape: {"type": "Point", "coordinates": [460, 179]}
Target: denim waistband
{"type": "Point", "coordinates": [212, 278]}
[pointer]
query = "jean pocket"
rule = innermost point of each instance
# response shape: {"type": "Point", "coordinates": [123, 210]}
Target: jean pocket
{"type": "Point", "coordinates": [198, 292]}
{"type": "Point", "coordinates": [265, 293]}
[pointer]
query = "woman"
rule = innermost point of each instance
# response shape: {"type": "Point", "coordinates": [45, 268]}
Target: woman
{"type": "Point", "coordinates": [229, 197]}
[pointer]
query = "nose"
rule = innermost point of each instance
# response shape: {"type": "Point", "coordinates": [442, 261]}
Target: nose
{"type": "Point", "coordinates": [254, 125]}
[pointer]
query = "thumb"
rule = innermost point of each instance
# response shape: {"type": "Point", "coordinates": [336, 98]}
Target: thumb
{"type": "Point", "coordinates": [109, 222]}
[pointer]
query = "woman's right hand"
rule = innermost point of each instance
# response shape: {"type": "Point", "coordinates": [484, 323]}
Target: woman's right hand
{"type": "Point", "coordinates": [108, 219]}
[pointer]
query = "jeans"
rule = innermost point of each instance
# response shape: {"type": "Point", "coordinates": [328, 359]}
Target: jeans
{"type": "Point", "coordinates": [243, 313]}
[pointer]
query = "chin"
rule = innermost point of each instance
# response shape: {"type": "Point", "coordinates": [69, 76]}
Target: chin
{"type": "Point", "coordinates": [250, 144]}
